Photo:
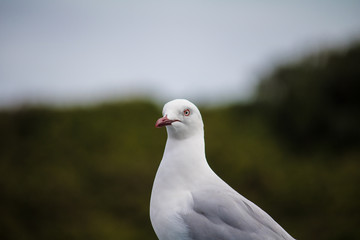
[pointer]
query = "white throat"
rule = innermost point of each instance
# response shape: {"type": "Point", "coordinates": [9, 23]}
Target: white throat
{"type": "Point", "coordinates": [184, 161]}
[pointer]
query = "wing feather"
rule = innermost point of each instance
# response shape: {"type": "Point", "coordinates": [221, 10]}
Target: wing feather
{"type": "Point", "coordinates": [219, 214]}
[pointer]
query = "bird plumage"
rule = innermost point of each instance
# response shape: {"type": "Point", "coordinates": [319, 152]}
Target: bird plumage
{"type": "Point", "coordinates": [188, 200]}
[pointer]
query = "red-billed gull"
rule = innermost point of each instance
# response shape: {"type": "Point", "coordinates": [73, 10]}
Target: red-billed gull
{"type": "Point", "coordinates": [188, 200]}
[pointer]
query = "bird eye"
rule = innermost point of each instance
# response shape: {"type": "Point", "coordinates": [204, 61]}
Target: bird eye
{"type": "Point", "coordinates": [187, 112]}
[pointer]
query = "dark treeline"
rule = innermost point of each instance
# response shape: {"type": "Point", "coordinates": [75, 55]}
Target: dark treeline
{"type": "Point", "coordinates": [86, 173]}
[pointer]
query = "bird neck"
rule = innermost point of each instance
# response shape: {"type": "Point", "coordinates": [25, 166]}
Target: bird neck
{"type": "Point", "coordinates": [191, 147]}
{"type": "Point", "coordinates": [185, 159]}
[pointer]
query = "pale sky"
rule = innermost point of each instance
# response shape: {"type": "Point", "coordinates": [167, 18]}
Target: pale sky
{"type": "Point", "coordinates": [72, 51]}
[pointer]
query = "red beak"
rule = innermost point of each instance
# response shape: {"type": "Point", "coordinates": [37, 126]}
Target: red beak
{"type": "Point", "coordinates": [164, 121]}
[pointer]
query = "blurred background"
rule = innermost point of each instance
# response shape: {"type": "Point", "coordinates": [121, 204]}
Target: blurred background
{"type": "Point", "coordinates": [83, 82]}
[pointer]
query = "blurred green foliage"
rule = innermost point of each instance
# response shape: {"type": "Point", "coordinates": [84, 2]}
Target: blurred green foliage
{"type": "Point", "coordinates": [86, 173]}
{"type": "Point", "coordinates": [316, 100]}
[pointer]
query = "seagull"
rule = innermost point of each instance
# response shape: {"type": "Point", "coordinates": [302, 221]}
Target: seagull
{"type": "Point", "coordinates": [188, 200]}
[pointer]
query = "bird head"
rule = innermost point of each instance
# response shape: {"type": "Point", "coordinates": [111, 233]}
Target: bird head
{"type": "Point", "coordinates": [181, 118]}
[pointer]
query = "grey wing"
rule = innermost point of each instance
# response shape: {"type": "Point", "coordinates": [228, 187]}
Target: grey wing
{"type": "Point", "coordinates": [226, 215]}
